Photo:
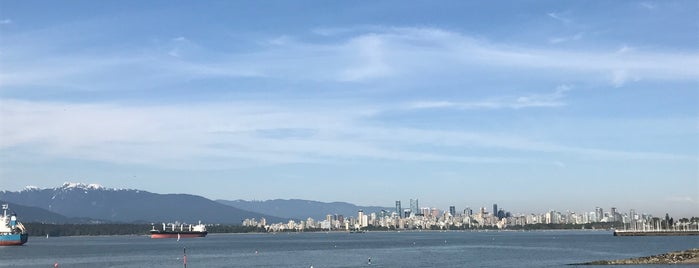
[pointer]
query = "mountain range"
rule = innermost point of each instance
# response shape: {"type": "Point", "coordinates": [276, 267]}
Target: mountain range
{"type": "Point", "coordinates": [302, 209]}
{"type": "Point", "coordinates": [77, 200]}
{"type": "Point", "coordinates": [35, 214]}
{"type": "Point", "coordinates": [89, 203]}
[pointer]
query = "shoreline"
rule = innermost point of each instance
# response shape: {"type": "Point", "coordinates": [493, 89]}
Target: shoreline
{"type": "Point", "coordinates": [655, 233]}
{"type": "Point", "coordinates": [689, 256]}
{"type": "Point", "coordinates": [366, 231]}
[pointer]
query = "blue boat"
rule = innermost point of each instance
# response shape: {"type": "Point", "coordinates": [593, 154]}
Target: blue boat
{"type": "Point", "coordinates": [12, 232]}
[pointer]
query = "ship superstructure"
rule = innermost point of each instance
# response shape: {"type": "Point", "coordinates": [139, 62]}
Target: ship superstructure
{"type": "Point", "coordinates": [179, 231]}
{"type": "Point", "coordinates": [12, 232]}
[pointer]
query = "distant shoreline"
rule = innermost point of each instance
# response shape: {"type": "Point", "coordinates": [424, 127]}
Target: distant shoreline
{"type": "Point", "coordinates": [690, 256]}
{"type": "Point", "coordinates": [81, 230]}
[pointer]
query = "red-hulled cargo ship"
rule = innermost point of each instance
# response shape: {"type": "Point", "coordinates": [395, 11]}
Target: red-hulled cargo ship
{"type": "Point", "coordinates": [174, 231]}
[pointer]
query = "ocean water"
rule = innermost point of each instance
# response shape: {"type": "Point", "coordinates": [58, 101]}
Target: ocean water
{"type": "Point", "coordinates": [335, 249]}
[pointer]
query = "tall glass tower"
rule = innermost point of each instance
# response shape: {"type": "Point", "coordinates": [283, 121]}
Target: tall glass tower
{"type": "Point", "coordinates": [399, 210]}
{"type": "Point", "coordinates": [414, 207]}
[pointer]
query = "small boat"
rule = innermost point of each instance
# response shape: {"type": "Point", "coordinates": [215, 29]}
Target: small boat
{"type": "Point", "coordinates": [174, 231]}
{"type": "Point", "coordinates": [12, 232]}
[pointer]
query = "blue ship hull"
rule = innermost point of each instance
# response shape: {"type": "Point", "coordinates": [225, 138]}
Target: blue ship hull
{"type": "Point", "coordinates": [13, 239]}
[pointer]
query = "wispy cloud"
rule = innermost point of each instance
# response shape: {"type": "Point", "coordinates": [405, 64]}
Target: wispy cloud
{"type": "Point", "coordinates": [371, 61]}
{"type": "Point", "coordinates": [230, 135]}
{"type": "Point", "coordinates": [559, 17]}
{"type": "Point", "coordinates": [553, 99]}
{"type": "Point", "coordinates": [205, 136]}
{"type": "Point", "coordinates": [647, 5]}
{"type": "Point", "coordinates": [563, 39]}
{"type": "Point", "coordinates": [5, 21]}
{"type": "Point", "coordinates": [683, 199]}
{"type": "Point", "coordinates": [386, 54]}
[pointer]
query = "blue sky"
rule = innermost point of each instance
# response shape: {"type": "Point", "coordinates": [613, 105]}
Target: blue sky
{"type": "Point", "coordinates": [532, 105]}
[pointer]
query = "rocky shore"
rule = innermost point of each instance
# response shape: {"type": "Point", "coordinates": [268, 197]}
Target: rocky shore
{"type": "Point", "coordinates": [690, 256]}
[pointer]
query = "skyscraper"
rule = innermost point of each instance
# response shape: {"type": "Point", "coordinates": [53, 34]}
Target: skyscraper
{"type": "Point", "coordinates": [399, 210]}
{"type": "Point", "coordinates": [452, 210]}
{"type": "Point", "coordinates": [414, 207]}
{"type": "Point", "coordinates": [360, 218]}
{"type": "Point", "coordinates": [495, 209]}
{"type": "Point", "coordinates": [599, 214]}
{"type": "Point", "coordinates": [614, 214]}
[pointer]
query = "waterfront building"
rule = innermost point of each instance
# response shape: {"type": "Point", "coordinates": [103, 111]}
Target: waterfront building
{"type": "Point", "coordinates": [435, 212]}
{"type": "Point", "coordinates": [360, 217]}
{"type": "Point", "coordinates": [500, 214]}
{"type": "Point", "coordinates": [468, 212]}
{"type": "Point", "coordinates": [432, 218]}
{"type": "Point", "coordinates": [399, 210]}
{"type": "Point", "coordinates": [414, 206]}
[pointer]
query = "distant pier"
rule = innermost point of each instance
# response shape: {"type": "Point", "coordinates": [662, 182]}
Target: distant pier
{"type": "Point", "coordinates": [655, 232]}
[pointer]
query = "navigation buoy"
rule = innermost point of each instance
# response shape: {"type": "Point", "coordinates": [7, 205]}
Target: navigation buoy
{"type": "Point", "coordinates": [55, 265]}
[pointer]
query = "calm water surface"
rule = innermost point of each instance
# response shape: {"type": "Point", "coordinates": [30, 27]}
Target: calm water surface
{"type": "Point", "coordinates": [386, 249]}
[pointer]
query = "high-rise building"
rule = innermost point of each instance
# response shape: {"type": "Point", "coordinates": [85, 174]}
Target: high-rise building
{"type": "Point", "coordinates": [614, 214]}
{"type": "Point", "coordinates": [414, 207]}
{"type": "Point", "coordinates": [399, 210]}
{"type": "Point", "coordinates": [495, 209]}
{"type": "Point", "coordinates": [452, 210]}
{"type": "Point", "coordinates": [434, 212]}
{"type": "Point", "coordinates": [599, 214]}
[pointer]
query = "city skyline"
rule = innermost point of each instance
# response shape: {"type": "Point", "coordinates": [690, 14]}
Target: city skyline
{"type": "Point", "coordinates": [415, 208]}
{"type": "Point", "coordinates": [534, 104]}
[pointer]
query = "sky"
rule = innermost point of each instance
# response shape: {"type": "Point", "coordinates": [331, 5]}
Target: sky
{"type": "Point", "coordinates": [533, 105]}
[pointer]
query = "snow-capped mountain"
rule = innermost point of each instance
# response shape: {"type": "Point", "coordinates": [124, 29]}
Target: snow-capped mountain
{"type": "Point", "coordinates": [94, 201]}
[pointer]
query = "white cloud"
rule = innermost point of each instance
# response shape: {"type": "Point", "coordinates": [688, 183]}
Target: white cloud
{"type": "Point", "coordinates": [218, 135]}
{"type": "Point", "coordinates": [559, 17]}
{"type": "Point", "coordinates": [683, 199]}
{"type": "Point", "coordinates": [5, 21]}
{"type": "Point", "coordinates": [371, 63]}
{"type": "Point", "coordinates": [553, 99]}
{"type": "Point", "coordinates": [228, 135]}
{"type": "Point", "coordinates": [564, 39]}
{"type": "Point", "coordinates": [396, 54]}
{"type": "Point", "coordinates": [647, 5]}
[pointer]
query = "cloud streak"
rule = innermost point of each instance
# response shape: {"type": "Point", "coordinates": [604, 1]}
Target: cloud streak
{"type": "Point", "coordinates": [232, 135]}
{"type": "Point", "coordinates": [385, 54]}
{"type": "Point", "coordinates": [553, 99]}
